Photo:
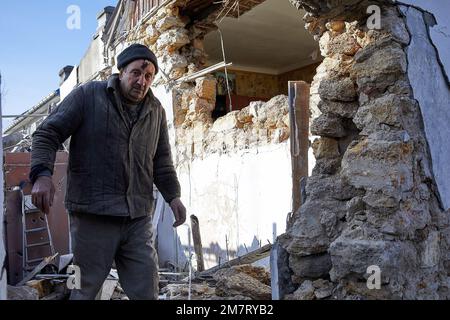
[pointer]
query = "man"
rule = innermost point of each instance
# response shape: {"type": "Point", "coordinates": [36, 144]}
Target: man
{"type": "Point", "coordinates": [119, 147]}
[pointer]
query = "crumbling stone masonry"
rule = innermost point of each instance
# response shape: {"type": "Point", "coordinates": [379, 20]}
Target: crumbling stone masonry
{"type": "Point", "coordinates": [178, 43]}
{"type": "Point", "coordinates": [176, 36]}
{"type": "Point", "coordinates": [372, 198]}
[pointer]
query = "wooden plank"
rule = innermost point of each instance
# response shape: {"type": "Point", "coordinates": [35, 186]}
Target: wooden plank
{"type": "Point", "coordinates": [203, 72]}
{"type": "Point", "coordinates": [36, 270]}
{"type": "Point", "coordinates": [198, 249]}
{"type": "Point", "coordinates": [299, 118]}
{"type": "Point", "coordinates": [274, 272]}
{"type": "Point", "coordinates": [107, 289]}
{"type": "Point", "coordinates": [248, 258]}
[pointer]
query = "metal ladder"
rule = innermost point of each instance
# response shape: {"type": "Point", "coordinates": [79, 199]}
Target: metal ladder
{"type": "Point", "coordinates": [45, 240]}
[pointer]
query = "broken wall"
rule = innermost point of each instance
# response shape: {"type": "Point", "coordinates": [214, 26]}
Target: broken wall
{"type": "Point", "coordinates": [226, 168]}
{"type": "Point", "coordinates": [236, 176]}
{"type": "Point", "coordinates": [372, 199]}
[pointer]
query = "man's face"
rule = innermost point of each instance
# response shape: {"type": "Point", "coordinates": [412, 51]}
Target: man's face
{"type": "Point", "coordinates": [136, 79]}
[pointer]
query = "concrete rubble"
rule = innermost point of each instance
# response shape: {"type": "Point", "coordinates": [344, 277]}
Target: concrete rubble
{"type": "Point", "coordinates": [244, 282]}
{"type": "Point", "coordinates": [260, 123]}
{"type": "Point", "coordinates": [239, 282]}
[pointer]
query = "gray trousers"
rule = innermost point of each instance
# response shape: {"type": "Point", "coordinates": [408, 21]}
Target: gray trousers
{"type": "Point", "coordinates": [97, 241]}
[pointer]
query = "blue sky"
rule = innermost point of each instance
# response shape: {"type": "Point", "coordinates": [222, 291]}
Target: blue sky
{"type": "Point", "coordinates": [35, 44]}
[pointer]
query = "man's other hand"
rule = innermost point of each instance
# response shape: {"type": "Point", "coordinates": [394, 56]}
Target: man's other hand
{"type": "Point", "coordinates": [179, 211]}
{"type": "Point", "coordinates": [42, 193]}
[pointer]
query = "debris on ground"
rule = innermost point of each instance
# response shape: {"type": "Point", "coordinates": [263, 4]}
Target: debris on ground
{"type": "Point", "coordinates": [244, 282]}
{"type": "Point", "coordinates": [22, 293]}
{"type": "Point", "coordinates": [234, 280]}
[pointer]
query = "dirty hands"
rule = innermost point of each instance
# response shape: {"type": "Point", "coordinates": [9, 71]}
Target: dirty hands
{"type": "Point", "coordinates": [42, 193]}
{"type": "Point", "coordinates": [179, 211]}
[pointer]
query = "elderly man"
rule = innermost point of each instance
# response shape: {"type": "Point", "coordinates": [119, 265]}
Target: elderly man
{"type": "Point", "coordinates": [119, 147]}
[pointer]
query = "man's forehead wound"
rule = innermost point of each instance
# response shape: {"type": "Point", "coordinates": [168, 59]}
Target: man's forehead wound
{"type": "Point", "coordinates": [145, 64]}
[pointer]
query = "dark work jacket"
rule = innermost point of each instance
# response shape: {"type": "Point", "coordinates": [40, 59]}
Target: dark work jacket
{"type": "Point", "coordinates": [112, 167]}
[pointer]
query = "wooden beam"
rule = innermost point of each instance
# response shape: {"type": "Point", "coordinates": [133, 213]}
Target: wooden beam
{"type": "Point", "coordinates": [299, 118]}
{"type": "Point", "coordinates": [204, 72]}
{"type": "Point", "coordinates": [198, 249]}
{"type": "Point", "coordinates": [248, 258]}
{"type": "Point", "coordinates": [36, 270]}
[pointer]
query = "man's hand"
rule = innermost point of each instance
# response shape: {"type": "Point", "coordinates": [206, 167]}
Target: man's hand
{"type": "Point", "coordinates": [42, 193]}
{"type": "Point", "coordinates": [179, 211]}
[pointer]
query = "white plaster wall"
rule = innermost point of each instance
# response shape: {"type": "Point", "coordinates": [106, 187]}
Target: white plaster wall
{"type": "Point", "coordinates": [244, 197]}
{"type": "Point", "coordinates": [92, 61]}
{"type": "Point", "coordinates": [165, 96]}
{"type": "Point", "coordinates": [433, 94]}
{"type": "Point", "coordinates": [69, 84]}
{"type": "Point", "coordinates": [169, 247]}
{"type": "Point", "coordinates": [440, 33]}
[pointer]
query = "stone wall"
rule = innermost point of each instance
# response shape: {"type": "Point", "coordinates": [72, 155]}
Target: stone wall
{"type": "Point", "coordinates": [259, 124]}
{"type": "Point", "coordinates": [372, 198]}
{"type": "Point", "coordinates": [178, 43]}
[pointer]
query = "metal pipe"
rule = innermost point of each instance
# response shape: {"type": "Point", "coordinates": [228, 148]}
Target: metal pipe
{"type": "Point", "coordinates": [226, 71]}
{"type": "Point", "coordinates": [198, 249]}
{"type": "Point", "coordinates": [36, 115]}
{"type": "Point", "coordinates": [172, 273]}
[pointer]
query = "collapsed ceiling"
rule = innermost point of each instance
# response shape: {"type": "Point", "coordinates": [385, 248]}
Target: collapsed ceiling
{"type": "Point", "coordinates": [270, 38]}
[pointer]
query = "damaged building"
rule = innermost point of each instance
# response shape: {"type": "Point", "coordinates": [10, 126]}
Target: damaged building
{"type": "Point", "coordinates": [310, 130]}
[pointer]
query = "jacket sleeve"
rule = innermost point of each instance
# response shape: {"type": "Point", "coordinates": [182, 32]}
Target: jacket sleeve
{"type": "Point", "coordinates": [55, 129]}
{"type": "Point", "coordinates": [165, 176]}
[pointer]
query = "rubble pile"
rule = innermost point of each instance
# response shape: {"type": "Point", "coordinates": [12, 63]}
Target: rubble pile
{"type": "Point", "coordinates": [43, 289]}
{"type": "Point", "coordinates": [258, 124]}
{"type": "Point", "coordinates": [243, 282]}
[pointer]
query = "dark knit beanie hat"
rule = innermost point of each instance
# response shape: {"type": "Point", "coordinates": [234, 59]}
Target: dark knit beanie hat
{"type": "Point", "coordinates": [136, 52]}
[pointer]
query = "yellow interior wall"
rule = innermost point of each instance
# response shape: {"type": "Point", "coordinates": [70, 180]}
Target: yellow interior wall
{"type": "Point", "coordinates": [303, 74]}
{"type": "Point", "coordinates": [251, 84]}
